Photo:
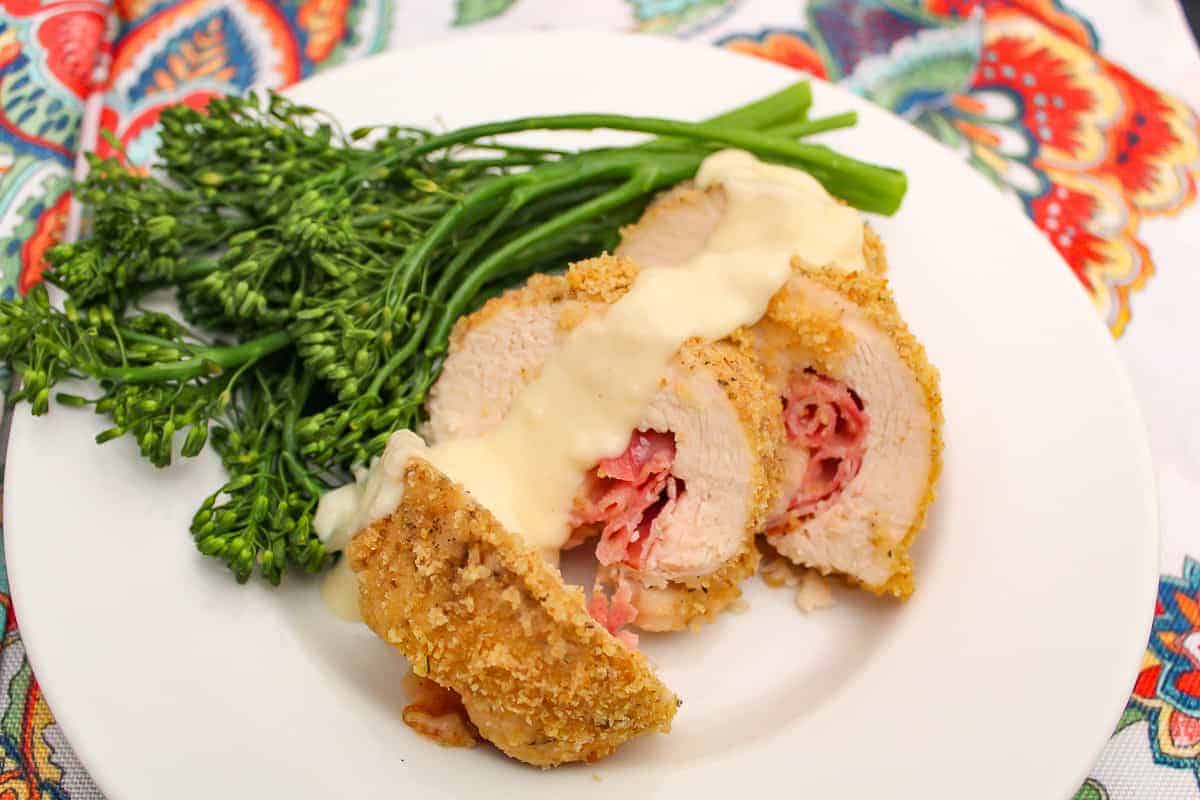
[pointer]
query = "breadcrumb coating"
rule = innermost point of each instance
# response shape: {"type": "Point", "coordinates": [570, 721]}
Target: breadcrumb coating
{"type": "Point", "coordinates": [689, 604]}
{"type": "Point", "coordinates": [477, 611]}
{"type": "Point", "coordinates": [873, 251]}
{"type": "Point", "coordinates": [603, 279]}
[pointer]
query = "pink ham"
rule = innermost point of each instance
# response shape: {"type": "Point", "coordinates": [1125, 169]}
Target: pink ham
{"type": "Point", "coordinates": [626, 494]}
{"type": "Point", "coordinates": [616, 613]}
{"type": "Point", "coordinates": [648, 452]}
{"type": "Point", "coordinates": [825, 417]}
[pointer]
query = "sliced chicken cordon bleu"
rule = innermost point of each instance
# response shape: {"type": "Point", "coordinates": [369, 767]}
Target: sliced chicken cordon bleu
{"type": "Point", "coordinates": [860, 402]}
{"type": "Point", "coordinates": [673, 517]}
{"type": "Point", "coordinates": [478, 611]}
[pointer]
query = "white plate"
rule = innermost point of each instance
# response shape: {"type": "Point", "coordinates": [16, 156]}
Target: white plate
{"type": "Point", "coordinates": [1001, 678]}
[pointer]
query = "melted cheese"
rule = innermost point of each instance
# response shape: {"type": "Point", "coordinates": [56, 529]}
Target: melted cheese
{"type": "Point", "coordinates": [592, 392]}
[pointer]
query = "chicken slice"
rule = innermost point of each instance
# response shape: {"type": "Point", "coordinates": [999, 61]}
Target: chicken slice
{"type": "Point", "coordinates": [676, 514]}
{"type": "Point", "coordinates": [860, 401]}
{"type": "Point", "coordinates": [679, 221]}
{"type": "Point", "coordinates": [863, 420]}
{"type": "Point", "coordinates": [478, 612]}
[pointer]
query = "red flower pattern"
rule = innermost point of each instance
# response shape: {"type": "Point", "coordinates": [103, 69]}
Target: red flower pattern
{"type": "Point", "coordinates": [1103, 149]}
{"type": "Point", "coordinates": [46, 234]}
{"type": "Point", "coordinates": [782, 48]}
{"type": "Point", "coordinates": [72, 45]}
{"type": "Point", "coordinates": [1053, 16]}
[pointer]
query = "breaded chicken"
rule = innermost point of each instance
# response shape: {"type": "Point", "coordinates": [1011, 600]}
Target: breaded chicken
{"type": "Point", "coordinates": [864, 416]}
{"type": "Point", "coordinates": [477, 611]}
{"type": "Point", "coordinates": [860, 402]}
{"type": "Point", "coordinates": [676, 513]}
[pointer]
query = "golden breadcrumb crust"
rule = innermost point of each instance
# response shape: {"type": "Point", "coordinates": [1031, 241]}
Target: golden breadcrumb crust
{"type": "Point", "coordinates": [873, 251]}
{"type": "Point", "coordinates": [870, 292]}
{"type": "Point", "coordinates": [697, 601]}
{"type": "Point", "coordinates": [602, 279]}
{"type": "Point", "coordinates": [825, 339]}
{"type": "Point", "coordinates": [477, 611]}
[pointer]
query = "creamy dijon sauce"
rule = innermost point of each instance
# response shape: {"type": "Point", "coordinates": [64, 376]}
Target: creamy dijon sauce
{"type": "Point", "coordinates": [594, 389]}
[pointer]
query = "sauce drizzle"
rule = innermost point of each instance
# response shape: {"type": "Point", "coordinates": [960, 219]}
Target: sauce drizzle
{"type": "Point", "coordinates": [593, 390]}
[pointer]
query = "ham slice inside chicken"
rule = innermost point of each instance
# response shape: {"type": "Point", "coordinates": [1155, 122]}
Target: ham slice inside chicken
{"type": "Point", "coordinates": [616, 613]}
{"type": "Point", "coordinates": [827, 420]}
{"type": "Point", "coordinates": [625, 494]}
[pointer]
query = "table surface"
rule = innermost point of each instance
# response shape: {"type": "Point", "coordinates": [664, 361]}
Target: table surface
{"type": "Point", "coordinates": [1081, 111]}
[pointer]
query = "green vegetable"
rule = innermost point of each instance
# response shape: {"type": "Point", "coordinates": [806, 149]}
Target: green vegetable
{"type": "Point", "coordinates": [319, 274]}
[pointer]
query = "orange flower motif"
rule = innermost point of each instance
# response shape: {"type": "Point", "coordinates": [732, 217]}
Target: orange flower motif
{"type": "Point", "coordinates": [325, 23]}
{"type": "Point", "coordinates": [1066, 104]}
{"type": "Point", "coordinates": [1110, 148]}
{"type": "Point", "coordinates": [1153, 148]}
{"type": "Point", "coordinates": [10, 47]}
{"type": "Point", "coordinates": [782, 47]}
{"type": "Point", "coordinates": [203, 56]}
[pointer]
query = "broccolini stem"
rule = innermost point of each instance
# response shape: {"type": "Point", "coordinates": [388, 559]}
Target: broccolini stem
{"type": "Point", "coordinates": [478, 201]}
{"type": "Point", "coordinates": [207, 361]}
{"type": "Point", "coordinates": [866, 186]}
{"type": "Point", "coordinates": [146, 338]}
{"type": "Point", "coordinates": [766, 112]}
{"type": "Point", "coordinates": [809, 127]}
{"type": "Point", "coordinates": [791, 103]}
{"type": "Point", "coordinates": [291, 446]}
{"type": "Point", "coordinates": [642, 181]}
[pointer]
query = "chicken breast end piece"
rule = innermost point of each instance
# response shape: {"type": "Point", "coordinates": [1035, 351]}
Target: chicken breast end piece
{"type": "Point", "coordinates": [478, 612]}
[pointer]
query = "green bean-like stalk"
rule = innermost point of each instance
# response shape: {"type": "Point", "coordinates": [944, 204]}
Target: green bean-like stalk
{"type": "Point", "coordinates": [865, 186]}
